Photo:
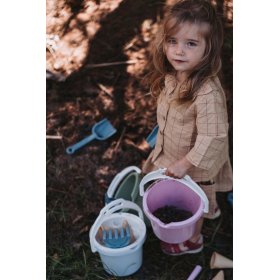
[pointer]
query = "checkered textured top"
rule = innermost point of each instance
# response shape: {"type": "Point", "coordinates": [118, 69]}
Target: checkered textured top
{"type": "Point", "coordinates": [197, 129]}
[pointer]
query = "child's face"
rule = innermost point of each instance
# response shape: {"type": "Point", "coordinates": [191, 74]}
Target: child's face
{"type": "Point", "coordinates": [185, 48]}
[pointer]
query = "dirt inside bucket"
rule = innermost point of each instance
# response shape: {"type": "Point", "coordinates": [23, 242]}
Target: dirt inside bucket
{"type": "Point", "coordinates": [169, 214]}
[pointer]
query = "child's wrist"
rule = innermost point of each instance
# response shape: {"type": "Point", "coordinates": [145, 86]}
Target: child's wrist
{"type": "Point", "coordinates": [187, 163]}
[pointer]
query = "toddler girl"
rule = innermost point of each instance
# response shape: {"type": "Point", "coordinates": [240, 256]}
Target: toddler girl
{"type": "Point", "coordinates": [191, 107]}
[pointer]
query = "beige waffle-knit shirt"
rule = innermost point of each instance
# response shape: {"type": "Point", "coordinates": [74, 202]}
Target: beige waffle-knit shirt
{"type": "Point", "coordinates": [197, 129]}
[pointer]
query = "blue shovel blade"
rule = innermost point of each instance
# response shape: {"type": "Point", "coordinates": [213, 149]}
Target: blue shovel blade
{"type": "Point", "coordinates": [103, 130]}
{"type": "Point", "coordinates": [100, 131]}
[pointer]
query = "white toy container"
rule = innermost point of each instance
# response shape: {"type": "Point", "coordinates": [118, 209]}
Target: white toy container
{"type": "Point", "coordinates": [120, 261]}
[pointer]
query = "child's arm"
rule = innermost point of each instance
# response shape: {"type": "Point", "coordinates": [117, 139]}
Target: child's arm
{"type": "Point", "coordinates": [179, 168]}
{"type": "Point", "coordinates": [211, 139]}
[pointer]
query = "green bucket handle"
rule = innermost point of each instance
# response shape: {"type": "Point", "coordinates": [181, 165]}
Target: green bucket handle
{"type": "Point", "coordinates": [116, 182]}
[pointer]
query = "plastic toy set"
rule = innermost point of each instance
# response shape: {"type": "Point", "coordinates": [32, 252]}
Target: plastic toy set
{"type": "Point", "coordinates": [118, 235]}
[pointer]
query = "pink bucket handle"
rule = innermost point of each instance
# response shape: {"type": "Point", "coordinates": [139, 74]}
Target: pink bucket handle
{"type": "Point", "coordinates": [159, 174]}
{"type": "Point", "coordinates": [109, 209]}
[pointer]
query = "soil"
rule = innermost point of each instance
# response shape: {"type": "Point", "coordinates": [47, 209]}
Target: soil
{"type": "Point", "coordinates": [169, 214]}
{"type": "Point", "coordinates": [80, 92]}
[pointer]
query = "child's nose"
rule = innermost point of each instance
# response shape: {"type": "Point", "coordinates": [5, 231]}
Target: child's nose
{"type": "Point", "coordinates": [180, 50]}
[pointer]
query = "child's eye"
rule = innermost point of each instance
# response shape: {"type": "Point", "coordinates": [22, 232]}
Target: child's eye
{"type": "Point", "coordinates": [191, 44]}
{"type": "Point", "coordinates": [171, 41]}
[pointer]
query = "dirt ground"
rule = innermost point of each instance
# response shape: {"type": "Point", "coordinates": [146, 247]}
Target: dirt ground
{"type": "Point", "coordinates": [83, 37]}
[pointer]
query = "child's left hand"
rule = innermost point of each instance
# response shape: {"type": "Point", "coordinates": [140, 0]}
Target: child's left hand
{"type": "Point", "coordinates": [179, 168]}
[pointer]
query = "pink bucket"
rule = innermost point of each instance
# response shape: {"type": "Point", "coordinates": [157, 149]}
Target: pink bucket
{"type": "Point", "coordinates": [182, 193]}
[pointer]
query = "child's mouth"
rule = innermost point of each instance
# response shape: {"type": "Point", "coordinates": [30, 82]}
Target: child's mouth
{"type": "Point", "coordinates": [179, 61]}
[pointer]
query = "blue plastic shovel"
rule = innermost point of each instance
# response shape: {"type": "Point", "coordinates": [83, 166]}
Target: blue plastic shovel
{"type": "Point", "coordinates": [230, 198]}
{"type": "Point", "coordinates": [100, 131]}
{"type": "Point", "coordinates": [152, 137]}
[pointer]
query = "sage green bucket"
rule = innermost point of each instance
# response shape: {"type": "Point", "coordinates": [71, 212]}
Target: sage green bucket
{"type": "Point", "coordinates": [125, 185]}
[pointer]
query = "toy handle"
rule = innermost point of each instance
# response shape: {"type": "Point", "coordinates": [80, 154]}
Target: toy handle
{"type": "Point", "coordinates": [110, 208]}
{"type": "Point", "coordinates": [152, 137]}
{"type": "Point", "coordinates": [114, 184]}
{"type": "Point", "coordinates": [159, 174]}
{"type": "Point", "coordinates": [72, 149]}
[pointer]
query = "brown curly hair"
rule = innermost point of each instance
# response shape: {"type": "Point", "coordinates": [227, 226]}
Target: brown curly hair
{"type": "Point", "coordinates": [193, 11]}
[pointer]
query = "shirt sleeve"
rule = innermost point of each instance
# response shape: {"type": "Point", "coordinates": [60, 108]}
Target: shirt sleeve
{"type": "Point", "coordinates": [212, 130]}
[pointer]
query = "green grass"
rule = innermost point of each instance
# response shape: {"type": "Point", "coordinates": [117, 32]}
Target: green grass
{"type": "Point", "coordinates": [76, 261]}
{"type": "Point", "coordinates": [68, 263]}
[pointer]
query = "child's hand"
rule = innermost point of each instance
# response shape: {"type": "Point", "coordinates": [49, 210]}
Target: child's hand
{"type": "Point", "coordinates": [179, 168]}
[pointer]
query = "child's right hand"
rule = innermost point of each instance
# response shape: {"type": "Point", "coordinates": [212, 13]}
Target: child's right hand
{"type": "Point", "coordinates": [179, 168]}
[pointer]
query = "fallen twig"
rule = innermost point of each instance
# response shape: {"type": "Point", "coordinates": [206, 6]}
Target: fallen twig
{"type": "Point", "coordinates": [141, 97]}
{"type": "Point", "coordinates": [110, 64]}
{"type": "Point", "coordinates": [105, 90]}
{"type": "Point", "coordinates": [120, 139]}
{"type": "Point", "coordinates": [55, 137]}
{"type": "Point", "coordinates": [131, 44]}
{"type": "Point", "coordinates": [60, 191]}
{"type": "Point", "coordinates": [142, 147]}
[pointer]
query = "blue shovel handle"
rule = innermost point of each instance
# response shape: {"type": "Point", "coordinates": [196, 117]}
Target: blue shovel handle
{"type": "Point", "coordinates": [72, 149]}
